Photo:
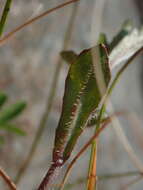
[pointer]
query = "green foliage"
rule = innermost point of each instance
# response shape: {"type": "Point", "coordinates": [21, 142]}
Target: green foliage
{"type": "Point", "coordinates": [3, 98]}
{"type": "Point", "coordinates": [103, 39]}
{"type": "Point", "coordinates": [125, 30]}
{"type": "Point", "coordinates": [5, 15]}
{"type": "Point", "coordinates": [9, 113]}
{"type": "Point", "coordinates": [1, 140]}
{"type": "Point", "coordinates": [69, 56]}
{"type": "Point", "coordinates": [12, 128]}
{"type": "Point", "coordinates": [82, 97]}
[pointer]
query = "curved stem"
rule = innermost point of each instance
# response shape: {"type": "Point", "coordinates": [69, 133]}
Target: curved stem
{"type": "Point", "coordinates": [9, 35]}
{"type": "Point", "coordinates": [7, 179]}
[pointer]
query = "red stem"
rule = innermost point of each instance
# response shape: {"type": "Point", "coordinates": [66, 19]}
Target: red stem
{"type": "Point", "coordinates": [52, 173]}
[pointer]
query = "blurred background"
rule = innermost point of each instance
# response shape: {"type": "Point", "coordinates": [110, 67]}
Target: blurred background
{"type": "Point", "coordinates": [28, 63]}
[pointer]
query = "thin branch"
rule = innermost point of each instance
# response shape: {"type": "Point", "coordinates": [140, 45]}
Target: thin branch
{"type": "Point", "coordinates": [104, 177]}
{"type": "Point", "coordinates": [119, 175]}
{"type": "Point", "coordinates": [5, 15]}
{"type": "Point", "coordinates": [50, 98]}
{"type": "Point", "coordinates": [91, 182]}
{"type": "Point", "coordinates": [96, 23]}
{"type": "Point", "coordinates": [104, 125]}
{"type": "Point", "coordinates": [29, 22]}
{"type": "Point", "coordinates": [110, 90]}
{"type": "Point", "coordinates": [7, 179]}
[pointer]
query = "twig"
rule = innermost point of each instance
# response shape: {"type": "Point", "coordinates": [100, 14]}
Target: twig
{"type": "Point", "coordinates": [104, 177]}
{"type": "Point", "coordinates": [104, 125]}
{"type": "Point", "coordinates": [5, 15]}
{"type": "Point", "coordinates": [91, 182]}
{"type": "Point", "coordinates": [97, 18]}
{"type": "Point", "coordinates": [7, 179]}
{"type": "Point", "coordinates": [9, 35]}
{"type": "Point", "coordinates": [50, 98]}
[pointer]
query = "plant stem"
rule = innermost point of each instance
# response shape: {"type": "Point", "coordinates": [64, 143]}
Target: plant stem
{"type": "Point", "coordinates": [119, 175]}
{"type": "Point", "coordinates": [109, 91]}
{"type": "Point", "coordinates": [5, 15]}
{"type": "Point", "coordinates": [29, 22]}
{"type": "Point", "coordinates": [7, 179]}
{"type": "Point", "coordinates": [92, 165]}
{"type": "Point", "coordinates": [92, 169]}
{"type": "Point", "coordinates": [49, 178]}
{"type": "Point", "coordinates": [91, 182]}
{"type": "Point", "coordinates": [104, 177]}
{"type": "Point", "coordinates": [50, 98]}
{"type": "Point", "coordinates": [83, 149]}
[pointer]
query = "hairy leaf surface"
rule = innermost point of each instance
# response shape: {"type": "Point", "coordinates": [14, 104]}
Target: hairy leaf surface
{"type": "Point", "coordinates": [81, 99]}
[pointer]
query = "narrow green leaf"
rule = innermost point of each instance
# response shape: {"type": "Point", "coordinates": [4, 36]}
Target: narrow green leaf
{"type": "Point", "coordinates": [81, 99]}
{"type": "Point", "coordinates": [12, 111]}
{"type": "Point", "coordinates": [5, 15]}
{"type": "Point", "coordinates": [103, 39]}
{"type": "Point", "coordinates": [3, 98]}
{"type": "Point", "coordinates": [89, 100]}
{"type": "Point", "coordinates": [77, 78]}
{"type": "Point", "coordinates": [125, 30]}
{"type": "Point", "coordinates": [69, 56]}
{"type": "Point", "coordinates": [11, 128]}
{"type": "Point", "coordinates": [1, 140]}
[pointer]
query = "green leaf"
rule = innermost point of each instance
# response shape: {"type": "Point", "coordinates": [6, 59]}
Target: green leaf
{"type": "Point", "coordinates": [12, 111]}
{"type": "Point", "coordinates": [1, 140]}
{"type": "Point", "coordinates": [76, 81]}
{"type": "Point", "coordinates": [81, 99]}
{"type": "Point", "coordinates": [3, 98]}
{"type": "Point", "coordinates": [11, 128]}
{"type": "Point", "coordinates": [89, 100]}
{"type": "Point", "coordinates": [103, 39]}
{"type": "Point", "coordinates": [127, 47]}
{"type": "Point", "coordinates": [5, 15]}
{"type": "Point", "coordinates": [69, 56]}
{"type": "Point", "coordinates": [125, 30]}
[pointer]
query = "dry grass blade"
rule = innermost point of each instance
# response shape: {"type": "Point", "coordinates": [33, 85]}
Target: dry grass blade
{"type": "Point", "coordinates": [91, 182]}
{"type": "Point", "coordinates": [96, 24]}
{"type": "Point", "coordinates": [7, 179]}
{"type": "Point", "coordinates": [29, 22]}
